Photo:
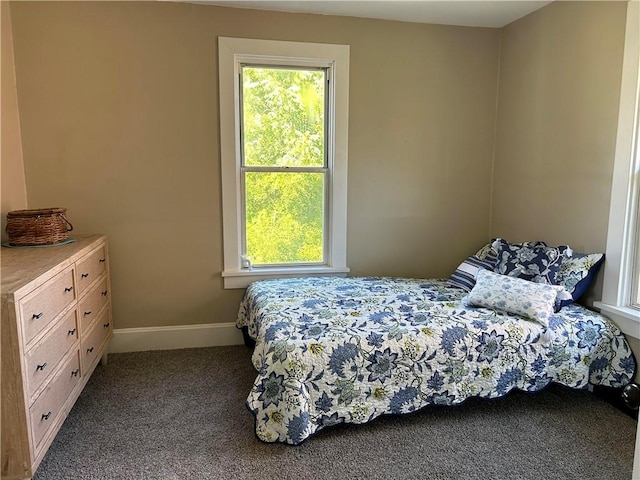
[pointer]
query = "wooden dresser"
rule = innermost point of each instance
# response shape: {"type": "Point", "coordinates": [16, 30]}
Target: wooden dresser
{"type": "Point", "coordinates": [56, 326]}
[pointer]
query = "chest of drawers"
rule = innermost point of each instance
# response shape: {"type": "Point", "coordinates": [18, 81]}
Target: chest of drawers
{"type": "Point", "coordinates": [56, 327]}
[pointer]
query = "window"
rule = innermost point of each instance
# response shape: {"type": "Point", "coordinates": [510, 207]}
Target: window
{"type": "Point", "coordinates": [621, 289]}
{"type": "Point", "coordinates": [283, 136]}
{"type": "Point", "coordinates": [283, 164]}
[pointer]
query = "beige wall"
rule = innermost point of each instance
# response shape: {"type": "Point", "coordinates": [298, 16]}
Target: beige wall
{"type": "Point", "coordinates": [12, 187]}
{"type": "Point", "coordinates": [558, 102]}
{"type": "Point", "coordinates": [119, 112]}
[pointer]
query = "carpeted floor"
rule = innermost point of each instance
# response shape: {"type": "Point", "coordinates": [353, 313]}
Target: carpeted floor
{"type": "Point", "coordinates": [180, 414]}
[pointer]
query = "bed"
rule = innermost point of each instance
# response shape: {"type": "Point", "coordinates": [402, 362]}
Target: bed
{"type": "Point", "coordinates": [331, 350]}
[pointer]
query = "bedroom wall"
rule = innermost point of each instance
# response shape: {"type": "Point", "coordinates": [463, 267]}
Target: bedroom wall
{"type": "Point", "coordinates": [13, 189]}
{"type": "Point", "coordinates": [119, 114]}
{"type": "Point", "coordinates": [560, 73]}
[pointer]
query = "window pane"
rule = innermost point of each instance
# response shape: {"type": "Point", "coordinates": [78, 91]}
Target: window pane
{"type": "Point", "coordinates": [283, 117]}
{"type": "Point", "coordinates": [284, 217]}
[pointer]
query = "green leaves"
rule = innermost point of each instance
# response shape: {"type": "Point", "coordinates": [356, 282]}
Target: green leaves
{"type": "Point", "coordinates": [283, 117]}
{"type": "Point", "coordinates": [283, 128]}
{"type": "Point", "coordinates": [284, 217]}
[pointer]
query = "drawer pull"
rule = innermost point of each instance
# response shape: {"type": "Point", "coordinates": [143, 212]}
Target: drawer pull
{"type": "Point", "coordinates": [37, 315]}
{"type": "Point", "coordinates": [87, 313]}
{"type": "Point", "coordinates": [104, 293]}
{"type": "Point", "coordinates": [41, 367]}
{"type": "Point", "coordinates": [45, 416]}
{"type": "Point", "coordinates": [75, 372]}
{"type": "Point", "coordinates": [106, 325]}
{"type": "Point", "coordinates": [71, 332]}
{"type": "Point", "coordinates": [84, 275]}
{"type": "Point", "coordinates": [90, 349]}
{"type": "Point", "coordinates": [68, 289]}
{"type": "Point", "coordinates": [102, 260]}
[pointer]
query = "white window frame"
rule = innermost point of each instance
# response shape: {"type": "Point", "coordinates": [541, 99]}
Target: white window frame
{"type": "Point", "coordinates": [624, 214]}
{"type": "Point", "coordinates": [232, 53]}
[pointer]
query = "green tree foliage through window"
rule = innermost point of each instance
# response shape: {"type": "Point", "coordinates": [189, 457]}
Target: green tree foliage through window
{"type": "Point", "coordinates": [283, 126]}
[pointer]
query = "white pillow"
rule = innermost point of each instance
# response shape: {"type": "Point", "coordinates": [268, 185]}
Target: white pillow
{"type": "Point", "coordinates": [514, 295]}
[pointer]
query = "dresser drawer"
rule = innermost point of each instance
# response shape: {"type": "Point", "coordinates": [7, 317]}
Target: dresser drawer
{"type": "Point", "coordinates": [91, 304]}
{"type": "Point", "coordinates": [42, 305]}
{"type": "Point", "coordinates": [46, 409]}
{"type": "Point", "coordinates": [91, 342]}
{"type": "Point", "coordinates": [91, 267]}
{"type": "Point", "coordinates": [45, 356]}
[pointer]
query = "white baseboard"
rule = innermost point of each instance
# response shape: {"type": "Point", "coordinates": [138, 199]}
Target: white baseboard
{"type": "Point", "coordinates": [179, 336]}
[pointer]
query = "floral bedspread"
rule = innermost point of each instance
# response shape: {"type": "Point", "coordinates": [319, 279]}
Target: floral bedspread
{"type": "Point", "coordinates": [331, 350]}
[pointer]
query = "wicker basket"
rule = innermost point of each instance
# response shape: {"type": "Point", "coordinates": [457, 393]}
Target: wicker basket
{"type": "Point", "coordinates": [45, 226]}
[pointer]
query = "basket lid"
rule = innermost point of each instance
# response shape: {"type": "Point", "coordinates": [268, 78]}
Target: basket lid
{"type": "Point", "coordinates": [36, 212]}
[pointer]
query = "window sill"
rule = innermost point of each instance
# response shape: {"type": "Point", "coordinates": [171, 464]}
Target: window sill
{"type": "Point", "coordinates": [242, 278]}
{"type": "Point", "coordinates": [627, 319]}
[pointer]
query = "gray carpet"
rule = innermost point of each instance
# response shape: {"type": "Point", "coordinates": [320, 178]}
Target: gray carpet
{"type": "Point", "coordinates": [181, 414]}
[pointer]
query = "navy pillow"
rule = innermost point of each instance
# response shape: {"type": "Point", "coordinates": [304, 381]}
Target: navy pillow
{"type": "Point", "coordinates": [534, 262]}
{"type": "Point", "coordinates": [577, 274]}
{"type": "Point", "coordinates": [464, 276]}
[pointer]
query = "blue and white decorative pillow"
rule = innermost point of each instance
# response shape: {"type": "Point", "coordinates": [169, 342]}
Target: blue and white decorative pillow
{"type": "Point", "coordinates": [464, 276]}
{"type": "Point", "coordinates": [535, 262]}
{"type": "Point", "coordinates": [535, 301]}
{"type": "Point", "coordinates": [577, 273]}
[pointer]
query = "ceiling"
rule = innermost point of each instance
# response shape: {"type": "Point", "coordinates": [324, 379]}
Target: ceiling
{"type": "Point", "coordinates": [472, 13]}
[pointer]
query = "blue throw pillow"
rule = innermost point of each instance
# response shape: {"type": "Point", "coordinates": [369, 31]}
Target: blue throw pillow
{"type": "Point", "coordinates": [534, 262]}
{"type": "Point", "coordinates": [577, 274]}
{"type": "Point", "coordinates": [464, 276]}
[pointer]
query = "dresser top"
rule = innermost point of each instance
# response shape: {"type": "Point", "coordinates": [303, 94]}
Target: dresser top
{"type": "Point", "coordinates": [20, 266]}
